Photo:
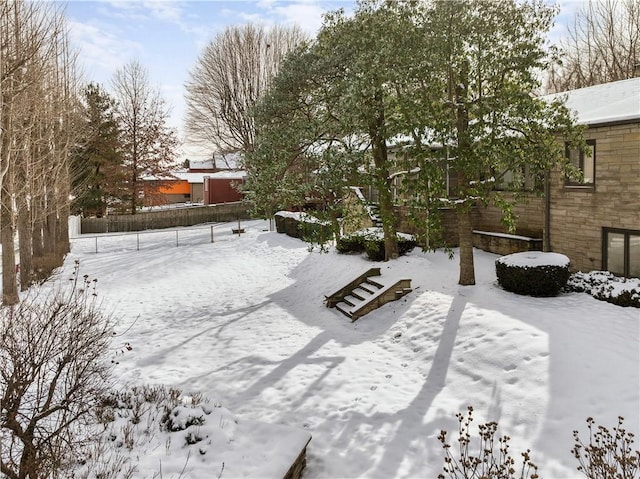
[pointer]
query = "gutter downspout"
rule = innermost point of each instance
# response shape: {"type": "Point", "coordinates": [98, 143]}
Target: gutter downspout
{"type": "Point", "coordinates": [546, 241]}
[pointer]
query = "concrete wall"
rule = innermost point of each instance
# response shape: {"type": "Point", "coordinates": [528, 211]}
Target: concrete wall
{"type": "Point", "coordinates": [578, 214]}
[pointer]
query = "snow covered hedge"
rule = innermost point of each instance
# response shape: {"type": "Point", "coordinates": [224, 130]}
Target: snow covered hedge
{"type": "Point", "coordinates": [304, 226]}
{"type": "Point", "coordinates": [533, 273]}
{"type": "Point", "coordinates": [605, 286]}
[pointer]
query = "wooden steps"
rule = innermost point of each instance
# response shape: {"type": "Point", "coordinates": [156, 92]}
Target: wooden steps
{"type": "Point", "coordinates": [364, 294]}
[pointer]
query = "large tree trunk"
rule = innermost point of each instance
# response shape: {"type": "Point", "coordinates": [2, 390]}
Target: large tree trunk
{"type": "Point", "coordinates": [465, 229]}
{"type": "Point", "coordinates": [387, 214]}
{"type": "Point", "coordinates": [465, 237]}
{"type": "Point", "coordinates": [383, 182]}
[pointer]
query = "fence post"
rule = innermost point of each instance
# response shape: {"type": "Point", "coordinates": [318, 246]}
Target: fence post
{"type": "Point", "coordinates": [96, 245]}
{"type": "Point", "coordinates": [176, 238]}
{"type": "Point", "coordinates": [212, 233]}
{"type": "Point", "coordinates": [137, 241]}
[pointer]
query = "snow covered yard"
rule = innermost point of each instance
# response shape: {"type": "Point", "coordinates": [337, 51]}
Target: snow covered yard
{"type": "Point", "coordinates": [242, 321]}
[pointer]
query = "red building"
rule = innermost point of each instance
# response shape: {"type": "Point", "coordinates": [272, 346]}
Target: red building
{"type": "Point", "coordinates": [223, 187]}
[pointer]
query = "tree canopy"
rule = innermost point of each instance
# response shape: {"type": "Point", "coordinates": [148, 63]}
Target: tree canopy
{"type": "Point", "coordinates": [440, 95]}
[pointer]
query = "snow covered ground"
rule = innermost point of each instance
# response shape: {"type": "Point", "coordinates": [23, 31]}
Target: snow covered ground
{"type": "Point", "coordinates": [242, 320]}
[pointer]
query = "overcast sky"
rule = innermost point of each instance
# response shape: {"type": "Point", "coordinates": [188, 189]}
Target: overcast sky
{"type": "Point", "coordinates": [166, 36]}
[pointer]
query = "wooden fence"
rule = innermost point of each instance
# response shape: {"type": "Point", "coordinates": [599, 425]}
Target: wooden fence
{"type": "Point", "coordinates": [169, 218]}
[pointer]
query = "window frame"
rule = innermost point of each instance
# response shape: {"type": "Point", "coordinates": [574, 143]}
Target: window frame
{"type": "Point", "coordinates": [571, 183]}
{"type": "Point", "coordinates": [626, 248]}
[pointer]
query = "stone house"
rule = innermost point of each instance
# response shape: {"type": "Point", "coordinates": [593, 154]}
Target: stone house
{"type": "Point", "coordinates": [596, 222]}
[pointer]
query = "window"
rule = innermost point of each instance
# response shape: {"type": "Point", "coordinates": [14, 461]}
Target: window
{"type": "Point", "coordinates": [522, 179]}
{"type": "Point", "coordinates": [585, 161]}
{"type": "Point", "coordinates": [621, 252]}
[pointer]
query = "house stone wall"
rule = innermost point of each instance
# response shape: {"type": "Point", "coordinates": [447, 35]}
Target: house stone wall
{"type": "Point", "coordinates": [529, 212]}
{"type": "Point", "coordinates": [578, 214]}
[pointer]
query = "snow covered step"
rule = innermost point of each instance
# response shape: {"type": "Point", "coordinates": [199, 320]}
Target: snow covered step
{"type": "Point", "coordinates": [364, 294]}
{"type": "Point", "coordinates": [338, 296]}
{"type": "Point", "coordinates": [344, 309]}
{"type": "Point", "coordinates": [374, 283]}
{"type": "Point", "coordinates": [361, 293]}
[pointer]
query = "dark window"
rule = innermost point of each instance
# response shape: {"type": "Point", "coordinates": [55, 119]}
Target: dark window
{"type": "Point", "coordinates": [585, 161]}
{"type": "Point", "coordinates": [621, 251]}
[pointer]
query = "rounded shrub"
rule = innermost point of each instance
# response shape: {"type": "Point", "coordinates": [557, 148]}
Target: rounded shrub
{"type": "Point", "coordinates": [533, 273]}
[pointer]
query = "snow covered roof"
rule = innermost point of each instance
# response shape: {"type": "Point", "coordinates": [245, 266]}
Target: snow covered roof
{"type": "Point", "coordinates": [606, 103]}
{"type": "Point", "coordinates": [222, 160]}
{"type": "Point", "coordinates": [228, 174]}
{"type": "Point", "coordinates": [191, 177]}
{"type": "Point", "coordinates": [199, 177]}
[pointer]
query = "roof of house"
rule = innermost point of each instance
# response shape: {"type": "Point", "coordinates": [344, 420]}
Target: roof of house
{"type": "Point", "coordinates": [200, 176]}
{"type": "Point", "coordinates": [228, 174]}
{"type": "Point", "coordinates": [606, 103]}
{"type": "Point", "coordinates": [224, 161]}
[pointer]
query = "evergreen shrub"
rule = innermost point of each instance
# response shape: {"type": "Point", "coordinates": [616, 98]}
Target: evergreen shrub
{"type": "Point", "coordinates": [606, 286]}
{"type": "Point", "coordinates": [533, 273]}
{"type": "Point", "coordinates": [372, 243]}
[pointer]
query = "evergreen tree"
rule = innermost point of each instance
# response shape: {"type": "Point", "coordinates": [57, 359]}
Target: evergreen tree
{"type": "Point", "coordinates": [334, 103]}
{"type": "Point", "coordinates": [479, 69]}
{"type": "Point", "coordinates": [97, 161]}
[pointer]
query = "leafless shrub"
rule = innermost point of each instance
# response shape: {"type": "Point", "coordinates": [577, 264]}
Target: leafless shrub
{"type": "Point", "coordinates": [488, 463]}
{"type": "Point", "coordinates": [609, 454]}
{"type": "Point", "coordinates": [52, 371]}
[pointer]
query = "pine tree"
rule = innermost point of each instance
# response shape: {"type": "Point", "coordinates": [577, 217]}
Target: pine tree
{"type": "Point", "coordinates": [97, 161]}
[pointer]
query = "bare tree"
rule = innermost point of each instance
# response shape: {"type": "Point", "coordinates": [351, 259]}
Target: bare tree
{"type": "Point", "coordinates": [26, 33]}
{"type": "Point", "coordinates": [37, 98]}
{"type": "Point", "coordinates": [230, 75]}
{"type": "Point", "coordinates": [53, 370]}
{"type": "Point", "coordinates": [148, 144]}
{"type": "Point", "coordinates": [602, 45]}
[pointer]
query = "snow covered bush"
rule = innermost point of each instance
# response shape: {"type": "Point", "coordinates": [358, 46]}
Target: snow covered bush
{"type": "Point", "coordinates": [150, 431]}
{"type": "Point", "coordinates": [53, 370]}
{"type": "Point", "coordinates": [488, 462]}
{"type": "Point", "coordinates": [609, 454]}
{"type": "Point", "coordinates": [533, 273]}
{"type": "Point", "coordinates": [605, 286]}
{"type": "Point", "coordinates": [371, 241]}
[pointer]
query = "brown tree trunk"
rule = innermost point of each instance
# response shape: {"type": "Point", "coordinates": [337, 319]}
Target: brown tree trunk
{"type": "Point", "coordinates": [465, 229]}
{"type": "Point", "coordinates": [9, 280]}
{"type": "Point", "coordinates": [383, 182]}
{"type": "Point", "coordinates": [465, 237]}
